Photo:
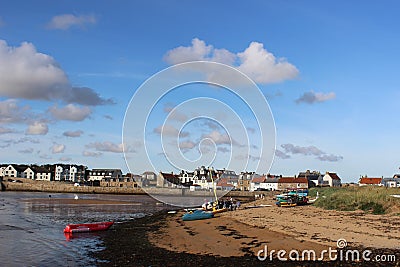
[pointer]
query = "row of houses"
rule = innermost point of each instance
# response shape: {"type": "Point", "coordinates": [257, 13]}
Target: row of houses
{"type": "Point", "coordinates": [77, 174]}
{"type": "Point", "coordinates": [203, 178]}
{"type": "Point", "coordinates": [55, 172]}
{"type": "Point", "coordinates": [200, 178]}
{"type": "Point", "coordinates": [380, 181]}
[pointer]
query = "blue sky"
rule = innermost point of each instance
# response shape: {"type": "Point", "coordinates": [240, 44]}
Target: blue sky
{"type": "Point", "coordinates": [329, 71]}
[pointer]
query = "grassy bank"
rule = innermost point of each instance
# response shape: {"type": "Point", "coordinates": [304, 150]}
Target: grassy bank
{"type": "Point", "coordinates": [371, 199]}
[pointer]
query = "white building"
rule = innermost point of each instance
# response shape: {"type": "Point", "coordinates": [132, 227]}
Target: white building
{"type": "Point", "coordinates": [66, 173]}
{"type": "Point", "coordinates": [107, 174]}
{"type": "Point", "coordinates": [14, 170]}
{"type": "Point", "coordinates": [29, 173]}
{"type": "Point", "coordinates": [332, 179]}
{"type": "Point", "coordinates": [2, 170]}
{"type": "Point", "coordinates": [187, 177]}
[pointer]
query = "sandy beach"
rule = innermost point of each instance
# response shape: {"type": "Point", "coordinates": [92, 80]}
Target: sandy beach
{"type": "Point", "coordinates": [234, 238]}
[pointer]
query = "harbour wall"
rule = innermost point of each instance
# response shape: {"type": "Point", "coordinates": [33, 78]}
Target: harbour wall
{"type": "Point", "coordinates": [60, 187]}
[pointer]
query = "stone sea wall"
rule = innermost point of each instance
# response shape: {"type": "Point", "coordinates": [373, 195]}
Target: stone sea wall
{"type": "Point", "coordinates": [60, 187]}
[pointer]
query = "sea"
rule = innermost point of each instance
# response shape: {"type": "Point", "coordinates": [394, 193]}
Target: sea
{"type": "Point", "coordinates": [32, 223]}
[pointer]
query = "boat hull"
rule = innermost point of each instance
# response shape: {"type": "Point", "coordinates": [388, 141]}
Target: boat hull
{"type": "Point", "coordinates": [197, 215]}
{"type": "Point", "coordinates": [87, 227]}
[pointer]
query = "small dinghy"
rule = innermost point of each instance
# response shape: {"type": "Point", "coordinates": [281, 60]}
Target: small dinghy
{"type": "Point", "coordinates": [87, 227]}
{"type": "Point", "coordinates": [197, 215]}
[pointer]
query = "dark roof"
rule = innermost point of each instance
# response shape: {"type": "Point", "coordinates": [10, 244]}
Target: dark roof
{"type": "Point", "coordinates": [19, 168]}
{"type": "Point", "coordinates": [333, 175]}
{"type": "Point", "coordinates": [39, 169]}
{"type": "Point", "coordinates": [272, 180]}
{"type": "Point", "coordinates": [106, 170]}
{"type": "Point", "coordinates": [170, 177]}
{"type": "Point", "coordinates": [292, 180]}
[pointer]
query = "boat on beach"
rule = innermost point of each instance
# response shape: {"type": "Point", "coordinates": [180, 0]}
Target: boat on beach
{"type": "Point", "coordinates": [87, 227]}
{"type": "Point", "coordinates": [197, 215]}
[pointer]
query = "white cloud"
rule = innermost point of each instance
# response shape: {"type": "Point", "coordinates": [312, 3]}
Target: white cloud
{"type": "Point", "coordinates": [91, 154]}
{"type": "Point", "coordinates": [307, 151]}
{"type": "Point", "coordinates": [212, 125]}
{"type": "Point", "coordinates": [28, 74]}
{"type": "Point", "coordinates": [313, 97]}
{"type": "Point", "coordinates": [220, 138]}
{"type": "Point", "coordinates": [106, 147]}
{"type": "Point", "coordinates": [169, 130]}
{"type": "Point", "coordinates": [223, 149]}
{"type": "Point", "coordinates": [10, 112]}
{"type": "Point", "coordinates": [66, 21]}
{"type": "Point", "coordinates": [26, 151]}
{"type": "Point", "coordinates": [4, 130]}
{"type": "Point", "coordinates": [281, 154]}
{"type": "Point", "coordinates": [251, 130]}
{"type": "Point", "coordinates": [174, 114]}
{"type": "Point", "coordinates": [263, 67]}
{"type": "Point", "coordinates": [224, 56]}
{"type": "Point", "coordinates": [58, 148]}
{"type": "Point", "coordinates": [77, 133]}
{"type": "Point", "coordinates": [255, 61]}
{"type": "Point", "coordinates": [37, 128]}
{"type": "Point", "coordinates": [65, 159]}
{"type": "Point", "coordinates": [70, 112]}
{"type": "Point", "coordinates": [247, 157]}
{"type": "Point", "coordinates": [331, 158]}
{"type": "Point", "coordinates": [186, 145]}
{"type": "Point", "coordinates": [198, 51]}
{"type": "Point", "coordinates": [22, 140]}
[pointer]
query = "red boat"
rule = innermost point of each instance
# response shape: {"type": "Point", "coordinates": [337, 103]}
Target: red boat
{"type": "Point", "coordinates": [87, 227]}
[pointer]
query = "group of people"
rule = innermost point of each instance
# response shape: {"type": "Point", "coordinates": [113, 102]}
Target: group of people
{"type": "Point", "coordinates": [225, 203]}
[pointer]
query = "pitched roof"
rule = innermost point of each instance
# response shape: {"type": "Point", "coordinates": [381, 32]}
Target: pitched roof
{"type": "Point", "coordinates": [259, 179]}
{"type": "Point", "coordinates": [19, 168]}
{"type": "Point", "coordinates": [333, 175]}
{"type": "Point", "coordinates": [272, 180]}
{"type": "Point", "coordinates": [367, 180]}
{"type": "Point", "coordinates": [292, 180]}
{"type": "Point", "coordinates": [224, 182]}
{"type": "Point", "coordinates": [39, 169]}
{"type": "Point", "coordinates": [170, 177]}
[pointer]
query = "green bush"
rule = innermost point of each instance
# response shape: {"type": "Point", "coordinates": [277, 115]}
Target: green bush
{"type": "Point", "coordinates": [371, 199]}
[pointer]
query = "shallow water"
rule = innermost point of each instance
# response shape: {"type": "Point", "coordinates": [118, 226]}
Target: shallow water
{"type": "Point", "coordinates": [31, 231]}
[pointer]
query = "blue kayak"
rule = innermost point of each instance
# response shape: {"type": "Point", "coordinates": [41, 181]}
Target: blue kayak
{"type": "Point", "coordinates": [197, 215]}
